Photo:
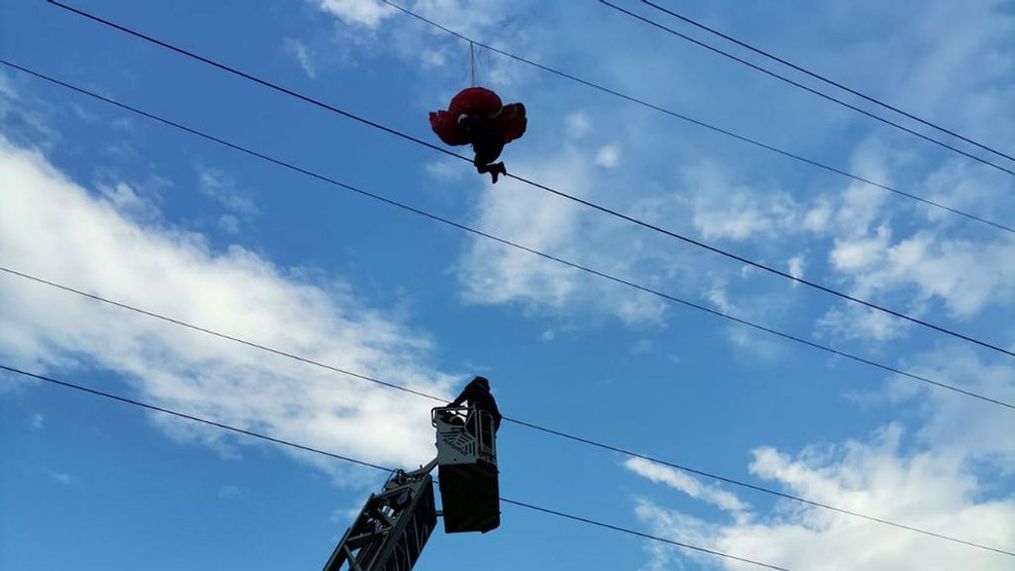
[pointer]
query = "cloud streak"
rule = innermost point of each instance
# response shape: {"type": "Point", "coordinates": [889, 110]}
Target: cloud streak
{"type": "Point", "coordinates": [936, 478]}
{"type": "Point", "coordinates": [91, 245]}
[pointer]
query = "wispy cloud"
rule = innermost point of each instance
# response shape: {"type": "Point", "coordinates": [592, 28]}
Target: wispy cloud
{"type": "Point", "coordinates": [935, 478]}
{"type": "Point", "coordinates": [302, 54]}
{"type": "Point", "coordinates": [368, 13]}
{"type": "Point", "coordinates": [62, 478]}
{"type": "Point", "coordinates": [491, 274]}
{"type": "Point", "coordinates": [230, 492]}
{"type": "Point", "coordinates": [687, 484]}
{"type": "Point", "coordinates": [608, 156]}
{"type": "Point", "coordinates": [91, 245]}
{"type": "Point", "coordinates": [222, 188]}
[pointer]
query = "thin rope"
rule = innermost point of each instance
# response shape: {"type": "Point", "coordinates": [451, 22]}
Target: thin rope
{"type": "Point", "coordinates": [472, 64]}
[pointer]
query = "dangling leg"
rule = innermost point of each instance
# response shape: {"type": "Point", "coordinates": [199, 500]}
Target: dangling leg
{"type": "Point", "coordinates": [497, 169]}
{"type": "Point", "coordinates": [494, 169]}
{"type": "Point", "coordinates": [485, 155]}
{"type": "Point", "coordinates": [487, 143]}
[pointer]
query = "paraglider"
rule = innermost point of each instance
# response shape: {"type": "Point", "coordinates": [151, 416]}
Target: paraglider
{"type": "Point", "coordinates": [476, 116]}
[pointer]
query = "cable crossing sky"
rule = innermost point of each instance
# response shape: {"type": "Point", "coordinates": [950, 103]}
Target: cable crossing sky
{"type": "Point", "coordinates": [509, 243]}
{"type": "Point", "coordinates": [666, 111]}
{"type": "Point", "coordinates": [824, 79]}
{"type": "Point", "coordinates": [474, 231]}
{"type": "Point", "coordinates": [532, 507]}
{"type": "Point", "coordinates": [530, 425]}
{"type": "Point", "coordinates": [785, 79]}
{"type": "Point", "coordinates": [534, 184]}
{"type": "Point", "coordinates": [137, 300]}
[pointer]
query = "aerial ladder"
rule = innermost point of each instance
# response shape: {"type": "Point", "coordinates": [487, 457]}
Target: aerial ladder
{"type": "Point", "coordinates": [393, 527]}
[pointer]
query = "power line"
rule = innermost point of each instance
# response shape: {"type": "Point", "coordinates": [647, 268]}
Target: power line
{"type": "Point", "coordinates": [534, 184]}
{"type": "Point", "coordinates": [785, 79]}
{"type": "Point", "coordinates": [448, 222]}
{"type": "Point", "coordinates": [476, 232]}
{"type": "Point", "coordinates": [637, 533]}
{"type": "Point", "coordinates": [824, 79]}
{"type": "Point", "coordinates": [243, 431]}
{"type": "Point", "coordinates": [519, 422]}
{"type": "Point", "coordinates": [697, 122]}
{"type": "Point", "coordinates": [396, 386]}
{"type": "Point", "coordinates": [762, 489]}
{"type": "Point", "coordinates": [281, 442]}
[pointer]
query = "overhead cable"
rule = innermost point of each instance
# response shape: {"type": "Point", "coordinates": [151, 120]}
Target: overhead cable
{"type": "Point", "coordinates": [540, 186]}
{"type": "Point", "coordinates": [488, 236]}
{"type": "Point", "coordinates": [448, 222]}
{"type": "Point", "coordinates": [509, 419]}
{"type": "Point", "coordinates": [824, 79]}
{"type": "Point", "coordinates": [390, 202]}
{"type": "Point", "coordinates": [532, 507]}
{"type": "Point", "coordinates": [823, 95]}
{"type": "Point", "coordinates": [666, 111]}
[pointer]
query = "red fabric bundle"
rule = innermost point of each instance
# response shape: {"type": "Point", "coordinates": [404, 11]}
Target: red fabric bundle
{"type": "Point", "coordinates": [510, 119]}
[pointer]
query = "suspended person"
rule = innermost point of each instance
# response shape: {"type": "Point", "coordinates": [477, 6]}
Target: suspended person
{"type": "Point", "coordinates": [477, 117]}
{"type": "Point", "coordinates": [477, 394]}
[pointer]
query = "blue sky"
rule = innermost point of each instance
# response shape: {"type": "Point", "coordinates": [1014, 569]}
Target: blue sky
{"type": "Point", "coordinates": [108, 202]}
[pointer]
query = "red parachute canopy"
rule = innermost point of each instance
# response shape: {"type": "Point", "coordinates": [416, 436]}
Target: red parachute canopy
{"type": "Point", "coordinates": [509, 119]}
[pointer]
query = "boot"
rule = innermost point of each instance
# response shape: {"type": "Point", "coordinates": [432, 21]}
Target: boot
{"type": "Point", "coordinates": [495, 170]}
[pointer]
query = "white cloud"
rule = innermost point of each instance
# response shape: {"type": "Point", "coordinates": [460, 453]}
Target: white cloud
{"type": "Point", "coordinates": [723, 209]}
{"type": "Point", "coordinates": [447, 170]}
{"type": "Point", "coordinates": [37, 421]}
{"type": "Point", "coordinates": [302, 54]}
{"type": "Point", "coordinates": [368, 13]}
{"type": "Point", "coordinates": [939, 480]}
{"type": "Point", "coordinates": [685, 483]}
{"type": "Point", "coordinates": [608, 156]}
{"type": "Point", "coordinates": [914, 272]}
{"type": "Point", "coordinates": [229, 492]}
{"type": "Point", "coordinates": [22, 118]}
{"type": "Point", "coordinates": [128, 202]}
{"type": "Point", "coordinates": [960, 185]}
{"type": "Point", "coordinates": [221, 187]}
{"type": "Point", "coordinates": [229, 224]}
{"type": "Point", "coordinates": [491, 273]}
{"type": "Point", "coordinates": [795, 266]}
{"type": "Point", "coordinates": [851, 255]}
{"type": "Point", "coordinates": [817, 218]}
{"type": "Point", "coordinates": [851, 321]}
{"type": "Point", "coordinates": [642, 347]}
{"type": "Point", "coordinates": [861, 206]}
{"type": "Point", "coordinates": [942, 263]}
{"type": "Point", "coordinates": [578, 125]}
{"type": "Point", "coordinates": [6, 89]}
{"type": "Point", "coordinates": [62, 478]}
{"type": "Point", "coordinates": [961, 426]}
{"type": "Point", "coordinates": [89, 244]}
{"type": "Point", "coordinates": [374, 27]}
{"type": "Point", "coordinates": [965, 275]}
